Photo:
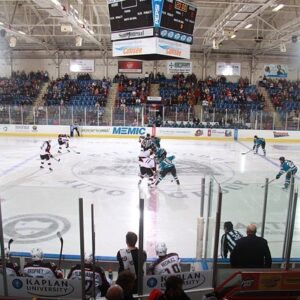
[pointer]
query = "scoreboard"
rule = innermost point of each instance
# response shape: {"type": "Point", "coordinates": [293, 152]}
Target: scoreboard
{"type": "Point", "coordinates": [178, 16]}
{"type": "Point", "coordinates": [171, 19]}
{"type": "Point", "coordinates": [130, 14]}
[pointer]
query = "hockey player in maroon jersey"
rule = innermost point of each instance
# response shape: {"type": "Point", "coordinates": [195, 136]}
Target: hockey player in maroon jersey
{"type": "Point", "coordinates": [101, 282]}
{"type": "Point", "coordinates": [37, 268]}
{"type": "Point", "coordinates": [12, 269]}
{"type": "Point", "coordinates": [45, 154]}
{"type": "Point", "coordinates": [166, 263]}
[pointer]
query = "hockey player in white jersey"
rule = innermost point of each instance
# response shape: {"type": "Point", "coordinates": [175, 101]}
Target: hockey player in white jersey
{"type": "Point", "coordinates": [166, 263]}
{"type": "Point", "coordinates": [63, 139]}
{"type": "Point", "coordinates": [12, 269]}
{"type": "Point", "coordinates": [45, 154]}
{"type": "Point", "coordinates": [147, 166]}
{"type": "Point", "coordinates": [37, 268]}
{"type": "Point", "coordinates": [146, 142]}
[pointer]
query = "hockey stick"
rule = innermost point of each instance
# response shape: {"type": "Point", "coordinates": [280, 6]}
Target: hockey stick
{"type": "Point", "coordinates": [74, 151]}
{"type": "Point", "coordinates": [268, 182]}
{"type": "Point", "coordinates": [61, 248]}
{"type": "Point", "coordinates": [243, 153]}
{"type": "Point", "coordinates": [58, 160]}
{"type": "Point", "coordinates": [9, 243]}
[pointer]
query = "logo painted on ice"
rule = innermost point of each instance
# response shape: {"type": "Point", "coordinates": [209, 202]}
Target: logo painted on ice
{"type": "Point", "coordinates": [34, 228]}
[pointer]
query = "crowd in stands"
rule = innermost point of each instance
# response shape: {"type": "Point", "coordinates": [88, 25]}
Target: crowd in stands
{"type": "Point", "coordinates": [83, 92]}
{"type": "Point", "coordinates": [22, 88]}
{"type": "Point", "coordinates": [285, 94]}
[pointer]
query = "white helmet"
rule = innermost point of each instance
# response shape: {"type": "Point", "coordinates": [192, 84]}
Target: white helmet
{"type": "Point", "coordinates": [161, 249]}
{"type": "Point", "coordinates": [37, 254]}
{"type": "Point", "coordinates": [88, 257]}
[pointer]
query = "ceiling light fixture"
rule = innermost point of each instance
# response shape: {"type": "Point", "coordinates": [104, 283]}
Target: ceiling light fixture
{"type": "Point", "coordinates": [56, 2]}
{"type": "Point", "coordinates": [278, 7]}
{"type": "Point", "coordinates": [248, 26]}
{"type": "Point", "coordinates": [21, 32]}
{"type": "Point", "coordinates": [1, 23]}
{"type": "Point", "coordinates": [233, 36]}
{"type": "Point", "coordinates": [282, 47]}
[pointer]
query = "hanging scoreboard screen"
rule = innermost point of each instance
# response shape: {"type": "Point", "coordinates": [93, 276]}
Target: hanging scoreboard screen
{"type": "Point", "coordinates": [130, 14]}
{"type": "Point", "coordinates": [179, 16]}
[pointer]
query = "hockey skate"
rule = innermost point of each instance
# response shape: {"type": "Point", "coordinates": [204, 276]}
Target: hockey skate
{"type": "Point", "coordinates": [41, 167]}
{"type": "Point", "coordinates": [178, 182]}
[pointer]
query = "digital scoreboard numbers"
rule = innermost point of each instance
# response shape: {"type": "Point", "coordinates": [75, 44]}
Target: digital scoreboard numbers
{"type": "Point", "coordinates": [178, 16]}
{"type": "Point", "coordinates": [130, 14]}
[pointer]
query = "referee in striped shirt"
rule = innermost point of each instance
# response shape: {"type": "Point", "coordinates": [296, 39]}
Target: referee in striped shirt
{"type": "Point", "coordinates": [229, 239]}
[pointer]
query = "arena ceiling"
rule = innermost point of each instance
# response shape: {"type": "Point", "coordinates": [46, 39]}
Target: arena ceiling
{"type": "Point", "coordinates": [222, 24]}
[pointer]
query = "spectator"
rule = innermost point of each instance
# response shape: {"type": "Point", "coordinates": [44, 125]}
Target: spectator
{"type": "Point", "coordinates": [166, 263]}
{"type": "Point", "coordinates": [126, 281]}
{"type": "Point", "coordinates": [251, 251]}
{"type": "Point", "coordinates": [128, 258]}
{"type": "Point", "coordinates": [174, 290]}
{"type": "Point", "coordinates": [101, 283]}
{"type": "Point", "coordinates": [115, 292]}
{"type": "Point", "coordinates": [229, 239]}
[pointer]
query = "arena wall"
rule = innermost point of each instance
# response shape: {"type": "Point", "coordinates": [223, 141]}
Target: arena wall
{"type": "Point", "coordinates": [251, 68]}
{"type": "Point", "coordinates": [213, 134]}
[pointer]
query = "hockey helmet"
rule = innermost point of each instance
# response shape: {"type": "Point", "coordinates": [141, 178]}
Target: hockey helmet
{"type": "Point", "coordinates": [256, 137]}
{"type": "Point", "coordinates": [281, 158]}
{"type": "Point", "coordinates": [88, 257]}
{"type": "Point", "coordinates": [161, 152]}
{"type": "Point", "coordinates": [37, 254]}
{"type": "Point", "coordinates": [148, 136]}
{"type": "Point", "coordinates": [161, 249]}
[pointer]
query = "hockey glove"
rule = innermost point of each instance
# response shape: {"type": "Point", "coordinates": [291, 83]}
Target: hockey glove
{"type": "Point", "coordinates": [277, 176]}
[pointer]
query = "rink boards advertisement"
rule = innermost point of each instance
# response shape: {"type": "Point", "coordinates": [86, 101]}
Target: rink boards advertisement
{"type": "Point", "coordinates": [38, 287]}
{"type": "Point", "coordinates": [135, 131]}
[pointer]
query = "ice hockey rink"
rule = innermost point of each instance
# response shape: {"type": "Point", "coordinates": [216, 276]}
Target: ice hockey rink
{"type": "Point", "coordinates": [37, 203]}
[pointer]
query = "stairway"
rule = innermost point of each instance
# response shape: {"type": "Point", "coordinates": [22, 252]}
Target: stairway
{"type": "Point", "coordinates": [269, 108]}
{"type": "Point", "coordinates": [154, 90]}
{"type": "Point", "coordinates": [110, 104]}
{"type": "Point", "coordinates": [197, 111]}
{"type": "Point", "coordinates": [29, 110]}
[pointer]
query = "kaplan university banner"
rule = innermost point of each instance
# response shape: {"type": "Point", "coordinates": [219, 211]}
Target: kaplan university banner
{"type": "Point", "coordinates": [191, 281]}
{"type": "Point", "coordinates": [38, 287]}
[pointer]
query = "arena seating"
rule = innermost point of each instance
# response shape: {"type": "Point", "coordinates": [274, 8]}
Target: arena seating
{"type": "Point", "coordinates": [77, 92]}
{"type": "Point", "coordinates": [21, 88]}
{"type": "Point", "coordinates": [284, 94]}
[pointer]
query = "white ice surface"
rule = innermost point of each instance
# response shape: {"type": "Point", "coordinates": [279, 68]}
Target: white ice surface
{"type": "Point", "coordinates": [36, 203]}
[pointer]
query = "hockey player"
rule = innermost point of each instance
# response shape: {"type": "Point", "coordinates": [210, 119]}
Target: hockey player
{"type": "Point", "coordinates": [166, 263]}
{"type": "Point", "coordinates": [45, 154]}
{"type": "Point", "coordinates": [12, 269]}
{"type": "Point", "coordinates": [37, 268]}
{"type": "Point", "coordinates": [101, 282]}
{"type": "Point", "coordinates": [155, 141]}
{"type": "Point", "coordinates": [165, 166]}
{"type": "Point", "coordinates": [287, 167]}
{"type": "Point", "coordinates": [146, 143]}
{"type": "Point", "coordinates": [229, 238]}
{"type": "Point", "coordinates": [257, 143]}
{"type": "Point", "coordinates": [63, 139]}
{"type": "Point", "coordinates": [147, 166]}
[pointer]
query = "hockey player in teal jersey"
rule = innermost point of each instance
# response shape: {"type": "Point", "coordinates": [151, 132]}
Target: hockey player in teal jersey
{"type": "Point", "coordinates": [287, 167]}
{"type": "Point", "coordinates": [155, 141]}
{"type": "Point", "coordinates": [259, 142]}
{"type": "Point", "coordinates": [166, 166]}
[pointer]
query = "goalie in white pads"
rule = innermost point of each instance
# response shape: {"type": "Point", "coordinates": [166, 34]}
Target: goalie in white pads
{"type": "Point", "coordinates": [166, 263]}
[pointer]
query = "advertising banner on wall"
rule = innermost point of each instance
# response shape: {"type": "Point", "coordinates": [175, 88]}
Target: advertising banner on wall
{"type": "Point", "coordinates": [178, 67]}
{"type": "Point", "coordinates": [191, 281]}
{"type": "Point", "coordinates": [131, 34]}
{"type": "Point", "coordinates": [228, 69]}
{"type": "Point", "coordinates": [279, 71]}
{"type": "Point", "coordinates": [127, 66]}
{"type": "Point", "coordinates": [82, 65]}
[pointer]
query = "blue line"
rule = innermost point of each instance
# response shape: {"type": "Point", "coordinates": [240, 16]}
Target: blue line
{"type": "Point", "coordinates": [266, 158]}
